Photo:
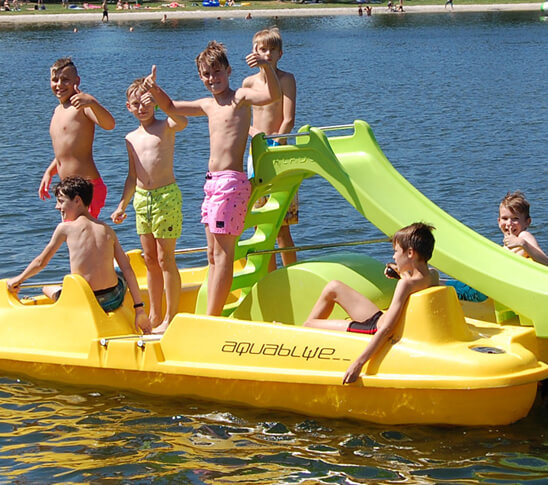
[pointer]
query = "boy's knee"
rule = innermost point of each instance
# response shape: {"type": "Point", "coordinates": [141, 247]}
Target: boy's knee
{"type": "Point", "coordinates": [332, 289]}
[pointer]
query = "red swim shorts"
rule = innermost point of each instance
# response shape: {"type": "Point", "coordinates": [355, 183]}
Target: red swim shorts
{"type": "Point", "coordinates": [99, 197]}
{"type": "Point", "coordinates": [225, 203]}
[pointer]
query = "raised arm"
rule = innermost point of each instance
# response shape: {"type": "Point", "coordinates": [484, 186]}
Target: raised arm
{"type": "Point", "coordinates": [271, 90]}
{"type": "Point", "coordinates": [529, 244]}
{"type": "Point", "coordinates": [51, 171]}
{"type": "Point", "coordinates": [119, 215]}
{"type": "Point", "coordinates": [387, 324]}
{"type": "Point", "coordinates": [41, 261]}
{"type": "Point", "coordinates": [92, 109]}
{"type": "Point", "coordinates": [167, 105]}
{"type": "Point", "coordinates": [141, 318]}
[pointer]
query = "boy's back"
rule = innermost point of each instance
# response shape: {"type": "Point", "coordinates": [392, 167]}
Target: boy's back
{"type": "Point", "coordinates": [91, 246]}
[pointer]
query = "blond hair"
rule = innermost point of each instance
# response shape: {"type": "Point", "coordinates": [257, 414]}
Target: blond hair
{"type": "Point", "coordinates": [517, 203]}
{"type": "Point", "coordinates": [60, 64]}
{"type": "Point", "coordinates": [213, 55]}
{"type": "Point", "coordinates": [271, 38]}
{"type": "Point", "coordinates": [136, 88]}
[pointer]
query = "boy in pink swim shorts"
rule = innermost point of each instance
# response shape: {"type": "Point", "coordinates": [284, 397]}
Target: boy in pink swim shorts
{"type": "Point", "coordinates": [227, 188]}
{"type": "Point", "coordinates": [72, 131]}
{"type": "Point", "coordinates": [225, 203]}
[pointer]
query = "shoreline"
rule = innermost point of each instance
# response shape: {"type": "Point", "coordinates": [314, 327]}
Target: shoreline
{"type": "Point", "coordinates": [221, 13]}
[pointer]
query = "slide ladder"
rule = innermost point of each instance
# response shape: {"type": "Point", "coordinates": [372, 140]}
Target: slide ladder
{"type": "Point", "coordinates": [358, 169]}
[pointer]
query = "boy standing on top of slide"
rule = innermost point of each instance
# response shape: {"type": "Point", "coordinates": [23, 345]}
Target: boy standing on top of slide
{"type": "Point", "coordinates": [227, 188]}
{"type": "Point", "coordinates": [277, 117]}
{"type": "Point", "coordinates": [156, 198]}
{"type": "Point", "coordinates": [72, 130]}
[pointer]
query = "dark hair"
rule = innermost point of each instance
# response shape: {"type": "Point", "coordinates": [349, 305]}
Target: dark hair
{"type": "Point", "coordinates": [417, 236]}
{"type": "Point", "coordinates": [73, 186]}
{"type": "Point", "coordinates": [517, 203]}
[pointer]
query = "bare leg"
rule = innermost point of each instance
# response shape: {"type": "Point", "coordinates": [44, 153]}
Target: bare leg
{"type": "Point", "coordinates": [171, 280]}
{"type": "Point", "coordinates": [357, 306]}
{"type": "Point", "coordinates": [155, 279]}
{"type": "Point", "coordinates": [50, 291]}
{"type": "Point", "coordinates": [285, 240]}
{"type": "Point", "coordinates": [220, 272]}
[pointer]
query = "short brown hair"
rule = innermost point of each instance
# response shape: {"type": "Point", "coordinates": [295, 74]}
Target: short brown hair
{"type": "Point", "coordinates": [213, 55]}
{"type": "Point", "coordinates": [60, 64]}
{"type": "Point", "coordinates": [136, 88]}
{"type": "Point", "coordinates": [517, 203]}
{"type": "Point", "coordinates": [270, 37]}
{"type": "Point", "coordinates": [73, 186]}
{"type": "Point", "coordinates": [417, 236]}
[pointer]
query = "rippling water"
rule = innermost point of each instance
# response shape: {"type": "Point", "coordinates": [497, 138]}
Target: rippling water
{"type": "Point", "coordinates": [458, 103]}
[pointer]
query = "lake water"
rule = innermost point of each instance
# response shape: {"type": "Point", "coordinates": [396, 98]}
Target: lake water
{"type": "Point", "coordinates": [458, 103]}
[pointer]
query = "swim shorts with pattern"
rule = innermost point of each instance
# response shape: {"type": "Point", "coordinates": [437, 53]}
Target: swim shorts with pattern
{"type": "Point", "coordinates": [112, 298]}
{"type": "Point", "coordinates": [159, 211]}
{"type": "Point", "coordinates": [225, 203]}
{"type": "Point", "coordinates": [109, 298]}
{"type": "Point", "coordinates": [99, 197]}
{"type": "Point", "coordinates": [368, 326]}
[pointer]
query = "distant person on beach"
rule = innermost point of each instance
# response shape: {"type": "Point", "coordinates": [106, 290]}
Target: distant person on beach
{"type": "Point", "coordinates": [513, 221]}
{"type": "Point", "coordinates": [93, 247]}
{"type": "Point", "coordinates": [248, 16]}
{"type": "Point", "coordinates": [72, 130]}
{"type": "Point", "coordinates": [360, 11]}
{"type": "Point", "coordinates": [449, 2]}
{"type": "Point", "coordinates": [368, 10]}
{"type": "Point", "coordinates": [156, 198]}
{"type": "Point", "coordinates": [277, 117]}
{"type": "Point", "coordinates": [105, 11]}
{"type": "Point", "coordinates": [413, 246]}
{"type": "Point", "coordinates": [227, 188]}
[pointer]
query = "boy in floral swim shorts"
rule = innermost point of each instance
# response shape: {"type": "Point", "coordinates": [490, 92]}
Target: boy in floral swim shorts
{"type": "Point", "coordinates": [156, 198]}
{"type": "Point", "coordinates": [227, 188]}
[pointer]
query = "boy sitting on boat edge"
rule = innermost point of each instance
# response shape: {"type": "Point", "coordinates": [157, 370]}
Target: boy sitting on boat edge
{"type": "Point", "coordinates": [92, 246]}
{"type": "Point", "coordinates": [413, 247]}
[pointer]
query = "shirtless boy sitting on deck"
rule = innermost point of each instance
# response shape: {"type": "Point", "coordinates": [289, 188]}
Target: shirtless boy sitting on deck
{"type": "Point", "coordinates": [92, 246]}
{"type": "Point", "coordinates": [227, 188]}
{"type": "Point", "coordinates": [72, 130]}
{"type": "Point", "coordinates": [156, 198]}
{"type": "Point", "coordinates": [413, 246]}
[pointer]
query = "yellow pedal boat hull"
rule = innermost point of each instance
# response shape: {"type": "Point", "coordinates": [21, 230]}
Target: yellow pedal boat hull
{"type": "Point", "coordinates": [432, 372]}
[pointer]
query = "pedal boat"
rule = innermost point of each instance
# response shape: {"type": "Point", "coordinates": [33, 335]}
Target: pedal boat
{"type": "Point", "coordinates": [438, 368]}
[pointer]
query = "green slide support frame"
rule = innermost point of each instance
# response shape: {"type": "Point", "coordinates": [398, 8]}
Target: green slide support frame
{"type": "Point", "coordinates": [356, 166]}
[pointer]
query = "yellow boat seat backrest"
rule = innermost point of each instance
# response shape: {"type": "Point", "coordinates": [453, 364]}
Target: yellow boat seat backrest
{"type": "Point", "coordinates": [433, 315]}
{"type": "Point", "coordinates": [67, 325]}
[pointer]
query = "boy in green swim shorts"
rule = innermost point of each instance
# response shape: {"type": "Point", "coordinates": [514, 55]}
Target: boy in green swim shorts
{"type": "Point", "coordinates": [156, 198]}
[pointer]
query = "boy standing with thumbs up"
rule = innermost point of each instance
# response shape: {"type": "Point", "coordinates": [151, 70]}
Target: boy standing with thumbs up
{"type": "Point", "coordinates": [227, 188]}
{"type": "Point", "coordinates": [72, 130]}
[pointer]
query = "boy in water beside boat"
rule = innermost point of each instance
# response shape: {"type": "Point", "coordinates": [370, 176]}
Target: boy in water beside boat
{"type": "Point", "coordinates": [156, 198]}
{"type": "Point", "coordinates": [227, 188]}
{"type": "Point", "coordinates": [92, 246]}
{"type": "Point", "coordinates": [277, 117]}
{"type": "Point", "coordinates": [513, 221]}
{"type": "Point", "coordinates": [413, 246]}
{"type": "Point", "coordinates": [72, 130]}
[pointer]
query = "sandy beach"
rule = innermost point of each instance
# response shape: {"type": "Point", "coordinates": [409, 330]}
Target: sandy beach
{"type": "Point", "coordinates": [305, 10]}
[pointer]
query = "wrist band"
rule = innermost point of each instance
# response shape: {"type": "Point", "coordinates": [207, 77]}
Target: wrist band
{"type": "Point", "coordinates": [139, 305]}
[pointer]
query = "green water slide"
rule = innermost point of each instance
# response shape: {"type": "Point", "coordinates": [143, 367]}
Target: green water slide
{"type": "Point", "coordinates": [355, 165]}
